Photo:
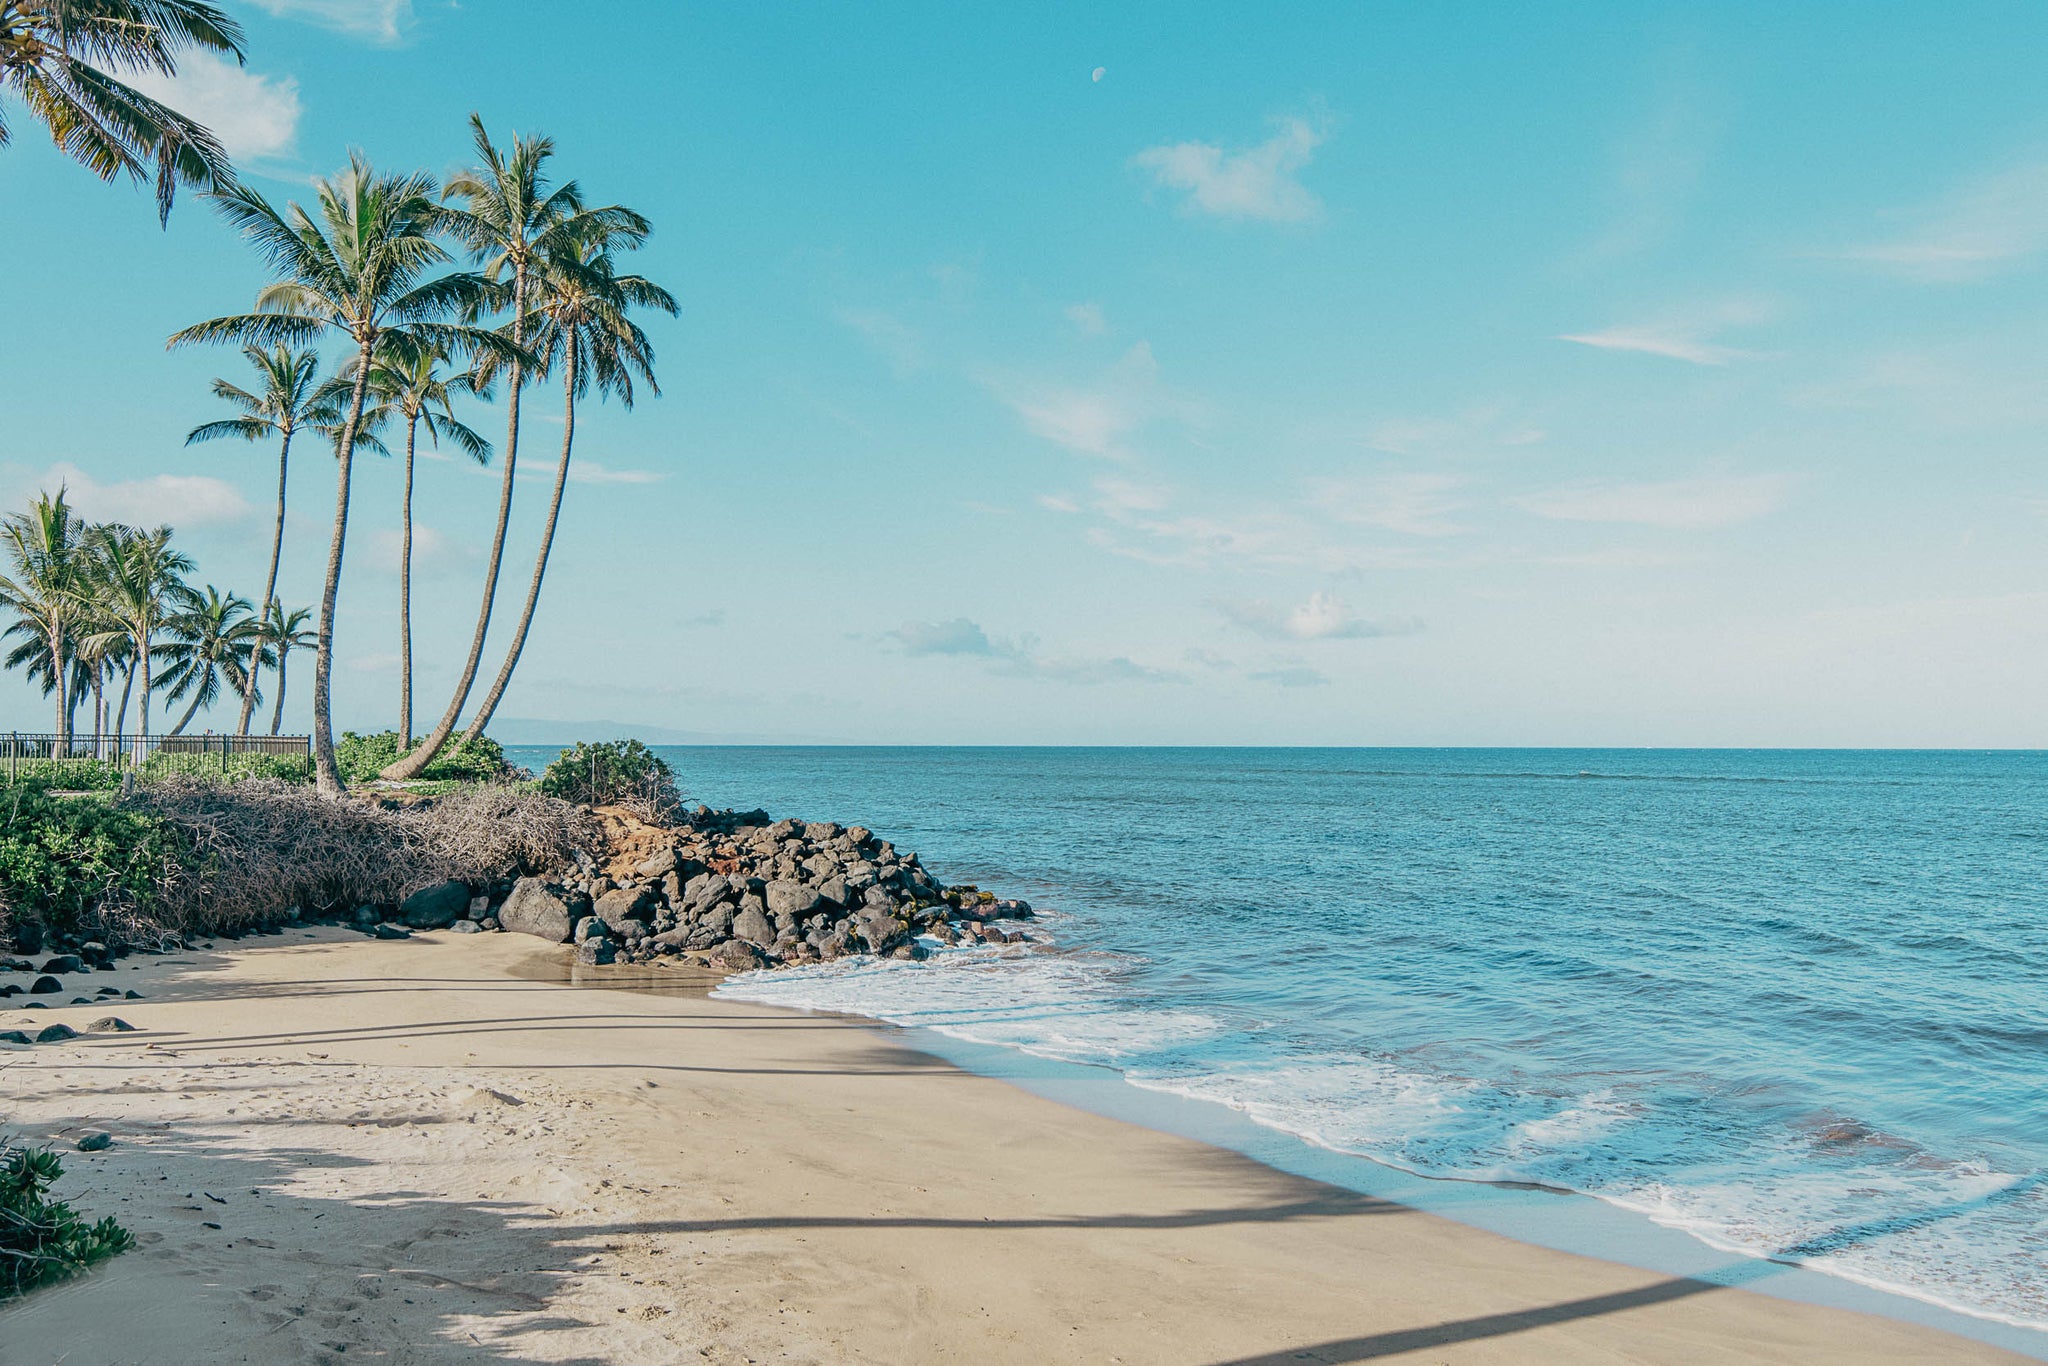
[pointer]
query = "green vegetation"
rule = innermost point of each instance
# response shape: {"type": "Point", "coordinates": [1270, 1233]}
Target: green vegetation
{"type": "Point", "coordinates": [44, 1240]}
{"type": "Point", "coordinates": [613, 771]}
{"type": "Point", "coordinates": [362, 757]}
{"type": "Point", "coordinates": [63, 860]}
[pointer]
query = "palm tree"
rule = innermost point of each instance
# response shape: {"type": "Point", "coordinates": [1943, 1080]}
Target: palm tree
{"type": "Point", "coordinates": [142, 582]}
{"type": "Point", "coordinates": [284, 632]}
{"type": "Point", "coordinates": [580, 324]}
{"type": "Point", "coordinates": [289, 395]}
{"type": "Point", "coordinates": [360, 269]}
{"type": "Point", "coordinates": [213, 639]}
{"type": "Point", "coordinates": [44, 561]}
{"type": "Point", "coordinates": [509, 220]}
{"type": "Point", "coordinates": [56, 54]}
{"type": "Point", "coordinates": [409, 383]}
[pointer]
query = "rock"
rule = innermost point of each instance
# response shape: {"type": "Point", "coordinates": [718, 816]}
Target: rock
{"type": "Point", "coordinates": [56, 1033]}
{"type": "Point", "coordinates": [387, 930]}
{"type": "Point", "coordinates": [11, 989]}
{"type": "Point", "coordinates": [708, 889]}
{"type": "Point", "coordinates": [819, 831]}
{"type": "Point", "coordinates": [436, 907]}
{"type": "Point", "coordinates": [80, 1001]}
{"type": "Point", "coordinates": [790, 899]}
{"type": "Point", "coordinates": [45, 986]}
{"type": "Point", "coordinates": [737, 954]}
{"type": "Point", "coordinates": [662, 862]}
{"type": "Point", "coordinates": [131, 995]}
{"type": "Point", "coordinates": [622, 904]}
{"type": "Point", "coordinates": [479, 907]}
{"type": "Point", "coordinates": [859, 834]}
{"type": "Point", "coordinates": [534, 909]}
{"type": "Point", "coordinates": [592, 927]}
{"type": "Point", "coordinates": [596, 953]}
{"type": "Point", "coordinates": [834, 890]}
{"type": "Point", "coordinates": [465, 927]}
{"type": "Point", "coordinates": [489, 922]}
{"type": "Point", "coordinates": [754, 927]}
{"type": "Point", "coordinates": [16, 965]}
{"type": "Point", "coordinates": [367, 915]}
{"type": "Point", "coordinates": [95, 1143]}
{"type": "Point", "coordinates": [65, 962]}
{"type": "Point", "coordinates": [110, 1024]}
{"type": "Point", "coordinates": [14, 1036]}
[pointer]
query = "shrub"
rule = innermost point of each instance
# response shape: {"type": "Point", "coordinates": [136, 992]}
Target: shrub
{"type": "Point", "coordinates": [43, 1240]}
{"type": "Point", "coordinates": [362, 757]}
{"type": "Point", "coordinates": [615, 771]}
{"type": "Point", "coordinates": [68, 861]}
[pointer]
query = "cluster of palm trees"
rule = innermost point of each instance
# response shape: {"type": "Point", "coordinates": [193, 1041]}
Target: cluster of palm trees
{"type": "Point", "coordinates": [98, 606]}
{"type": "Point", "coordinates": [372, 265]}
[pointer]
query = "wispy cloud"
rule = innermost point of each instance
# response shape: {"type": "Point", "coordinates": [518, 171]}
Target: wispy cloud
{"type": "Point", "coordinates": [1100, 418]}
{"type": "Point", "coordinates": [1088, 319]}
{"type": "Point", "coordinates": [590, 472]}
{"type": "Point", "coordinates": [1686, 336]}
{"type": "Point", "coordinates": [255, 117]}
{"type": "Point", "coordinates": [889, 335]}
{"type": "Point", "coordinates": [1323, 617]}
{"type": "Point", "coordinates": [380, 21]}
{"type": "Point", "coordinates": [1411, 504]}
{"type": "Point", "coordinates": [1980, 228]}
{"type": "Point", "coordinates": [1712, 500]}
{"type": "Point", "coordinates": [1254, 182]}
{"type": "Point", "coordinates": [1297, 676]}
{"type": "Point", "coordinates": [1020, 657]}
{"type": "Point", "coordinates": [181, 500]}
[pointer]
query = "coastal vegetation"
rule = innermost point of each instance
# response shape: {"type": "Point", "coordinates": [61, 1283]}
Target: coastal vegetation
{"type": "Point", "coordinates": [44, 1240]}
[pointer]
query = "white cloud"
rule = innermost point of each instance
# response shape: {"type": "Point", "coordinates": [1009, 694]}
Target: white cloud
{"type": "Point", "coordinates": [888, 335]}
{"type": "Point", "coordinates": [956, 637]}
{"type": "Point", "coordinates": [1983, 226]}
{"type": "Point", "coordinates": [1323, 617]}
{"type": "Point", "coordinates": [1652, 343]}
{"type": "Point", "coordinates": [1292, 677]}
{"type": "Point", "coordinates": [1019, 658]}
{"type": "Point", "coordinates": [382, 21]}
{"type": "Point", "coordinates": [1097, 419]}
{"type": "Point", "coordinates": [178, 500]}
{"type": "Point", "coordinates": [590, 472]}
{"type": "Point", "coordinates": [1088, 319]}
{"type": "Point", "coordinates": [1257, 182]}
{"type": "Point", "coordinates": [1482, 428]}
{"type": "Point", "coordinates": [1058, 502]}
{"type": "Point", "coordinates": [1411, 504]}
{"type": "Point", "coordinates": [433, 551]}
{"type": "Point", "coordinates": [254, 117]}
{"type": "Point", "coordinates": [1713, 500]}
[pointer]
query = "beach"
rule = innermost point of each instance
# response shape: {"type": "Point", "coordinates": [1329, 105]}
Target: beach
{"type": "Point", "coordinates": [332, 1148]}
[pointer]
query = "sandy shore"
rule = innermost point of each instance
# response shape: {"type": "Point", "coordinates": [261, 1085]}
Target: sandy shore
{"type": "Point", "coordinates": [334, 1149]}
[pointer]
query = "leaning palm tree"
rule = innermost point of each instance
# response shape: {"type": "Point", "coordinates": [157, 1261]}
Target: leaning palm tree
{"type": "Point", "coordinates": [510, 219]}
{"type": "Point", "coordinates": [56, 56]}
{"type": "Point", "coordinates": [410, 384]}
{"type": "Point", "coordinates": [40, 587]}
{"type": "Point", "coordinates": [213, 640]}
{"type": "Point", "coordinates": [142, 583]}
{"type": "Point", "coordinates": [359, 268]}
{"type": "Point", "coordinates": [581, 327]}
{"type": "Point", "coordinates": [284, 632]}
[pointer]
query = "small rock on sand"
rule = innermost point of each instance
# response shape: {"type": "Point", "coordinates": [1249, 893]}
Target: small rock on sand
{"type": "Point", "coordinates": [110, 1024]}
{"type": "Point", "coordinates": [56, 1033]}
{"type": "Point", "coordinates": [45, 986]}
{"type": "Point", "coordinates": [95, 1143]}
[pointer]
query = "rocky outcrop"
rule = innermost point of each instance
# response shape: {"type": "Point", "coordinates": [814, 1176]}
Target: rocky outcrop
{"type": "Point", "coordinates": [436, 907]}
{"type": "Point", "coordinates": [537, 909]}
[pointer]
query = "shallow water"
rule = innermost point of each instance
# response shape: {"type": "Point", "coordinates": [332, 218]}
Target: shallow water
{"type": "Point", "coordinates": [1794, 1003]}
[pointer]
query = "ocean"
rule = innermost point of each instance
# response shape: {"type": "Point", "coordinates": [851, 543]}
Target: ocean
{"type": "Point", "coordinates": [1793, 1003]}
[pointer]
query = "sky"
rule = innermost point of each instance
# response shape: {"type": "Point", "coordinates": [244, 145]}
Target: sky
{"type": "Point", "coordinates": [1377, 373]}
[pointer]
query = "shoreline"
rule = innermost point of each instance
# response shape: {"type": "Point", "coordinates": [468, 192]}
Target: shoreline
{"type": "Point", "coordinates": [504, 1169]}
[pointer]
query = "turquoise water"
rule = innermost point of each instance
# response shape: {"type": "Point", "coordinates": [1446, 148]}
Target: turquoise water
{"type": "Point", "coordinates": [1793, 1003]}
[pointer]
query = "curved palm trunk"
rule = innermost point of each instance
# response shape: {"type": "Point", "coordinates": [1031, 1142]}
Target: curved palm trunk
{"type": "Point", "coordinates": [540, 565]}
{"type": "Point", "coordinates": [277, 714]}
{"type": "Point", "coordinates": [121, 716]}
{"type": "Point", "coordinates": [412, 764]}
{"type": "Point", "coordinates": [198, 696]}
{"type": "Point", "coordinates": [99, 710]}
{"type": "Point", "coordinates": [142, 732]}
{"type": "Point", "coordinates": [412, 428]}
{"type": "Point", "coordinates": [325, 772]}
{"type": "Point", "coordinates": [284, 455]}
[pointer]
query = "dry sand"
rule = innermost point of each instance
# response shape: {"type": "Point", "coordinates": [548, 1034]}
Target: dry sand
{"type": "Point", "coordinates": [334, 1149]}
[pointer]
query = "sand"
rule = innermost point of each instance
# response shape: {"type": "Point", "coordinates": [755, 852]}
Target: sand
{"type": "Point", "coordinates": [334, 1150]}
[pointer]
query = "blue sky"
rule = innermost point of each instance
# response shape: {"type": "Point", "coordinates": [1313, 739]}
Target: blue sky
{"type": "Point", "coordinates": [1615, 374]}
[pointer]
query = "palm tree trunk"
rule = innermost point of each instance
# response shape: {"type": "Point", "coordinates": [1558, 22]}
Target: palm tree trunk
{"type": "Point", "coordinates": [284, 456]}
{"type": "Point", "coordinates": [412, 428]}
{"type": "Point", "coordinates": [325, 772]}
{"type": "Point", "coordinates": [198, 693]}
{"type": "Point", "coordinates": [121, 716]}
{"type": "Point", "coordinates": [60, 679]}
{"type": "Point", "coordinates": [142, 734]}
{"type": "Point", "coordinates": [410, 765]}
{"type": "Point", "coordinates": [99, 709]}
{"type": "Point", "coordinates": [540, 565]}
{"type": "Point", "coordinates": [277, 714]}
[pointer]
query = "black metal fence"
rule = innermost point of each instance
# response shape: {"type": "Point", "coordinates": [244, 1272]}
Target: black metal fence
{"type": "Point", "coordinates": [95, 760]}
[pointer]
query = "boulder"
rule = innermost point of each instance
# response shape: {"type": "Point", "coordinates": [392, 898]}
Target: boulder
{"type": "Point", "coordinates": [708, 889]}
{"type": "Point", "coordinates": [465, 927]}
{"type": "Point", "coordinates": [790, 899]}
{"type": "Point", "coordinates": [592, 927]}
{"type": "Point", "coordinates": [663, 862]}
{"type": "Point", "coordinates": [592, 953]}
{"type": "Point", "coordinates": [535, 909]}
{"type": "Point", "coordinates": [620, 904]}
{"type": "Point", "coordinates": [45, 986]}
{"type": "Point", "coordinates": [754, 927]}
{"type": "Point", "coordinates": [479, 907]}
{"type": "Point", "coordinates": [737, 954]}
{"type": "Point", "coordinates": [65, 962]}
{"type": "Point", "coordinates": [387, 930]}
{"type": "Point", "coordinates": [95, 1143]}
{"type": "Point", "coordinates": [14, 1036]}
{"type": "Point", "coordinates": [110, 1024]}
{"type": "Point", "coordinates": [436, 907]}
{"type": "Point", "coordinates": [56, 1033]}
{"type": "Point", "coordinates": [817, 832]}
{"type": "Point", "coordinates": [834, 890]}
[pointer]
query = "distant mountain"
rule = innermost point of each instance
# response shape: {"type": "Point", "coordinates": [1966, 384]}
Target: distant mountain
{"type": "Point", "coordinates": [511, 730]}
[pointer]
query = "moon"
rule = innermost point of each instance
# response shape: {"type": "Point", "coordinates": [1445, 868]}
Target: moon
{"type": "Point", "coordinates": [1098, 73]}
